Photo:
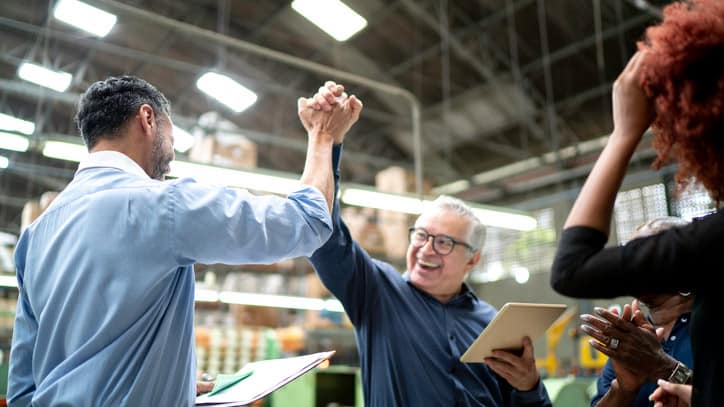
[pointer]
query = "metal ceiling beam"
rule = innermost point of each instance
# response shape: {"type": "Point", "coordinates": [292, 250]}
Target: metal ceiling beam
{"type": "Point", "coordinates": [296, 62]}
{"type": "Point", "coordinates": [165, 62]}
{"type": "Point", "coordinates": [70, 98]}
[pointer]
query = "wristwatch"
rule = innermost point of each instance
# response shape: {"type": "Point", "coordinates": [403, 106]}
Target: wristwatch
{"type": "Point", "coordinates": [681, 374]}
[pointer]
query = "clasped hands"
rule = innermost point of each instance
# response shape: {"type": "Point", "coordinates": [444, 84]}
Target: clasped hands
{"type": "Point", "coordinates": [329, 113]}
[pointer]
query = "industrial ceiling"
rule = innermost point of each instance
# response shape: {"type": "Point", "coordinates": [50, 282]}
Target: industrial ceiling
{"type": "Point", "coordinates": [497, 82]}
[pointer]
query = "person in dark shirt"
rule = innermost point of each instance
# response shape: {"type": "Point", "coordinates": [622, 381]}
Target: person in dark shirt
{"type": "Point", "coordinates": [647, 349]}
{"type": "Point", "coordinates": [411, 329]}
{"type": "Point", "coordinates": [675, 84]}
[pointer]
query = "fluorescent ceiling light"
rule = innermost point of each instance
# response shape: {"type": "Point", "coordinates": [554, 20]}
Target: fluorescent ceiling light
{"type": "Point", "coordinates": [85, 17]}
{"type": "Point", "coordinates": [4, 162]}
{"type": "Point", "coordinates": [234, 178]}
{"type": "Point", "coordinates": [10, 141]}
{"type": "Point", "coordinates": [11, 123]}
{"type": "Point", "coordinates": [414, 206]}
{"type": "Point", "coordinates": [65, 151]}
{"type": "Point", "coordinates": [59, 81]}
{"type": "Point", "coordinates": [8, 281]}
{"type": "Point", "coordinates": [332, 16]}
{"type": "Point", "coordinates": [521, 274]}
{"type": "Point", "coordinates": [381, 200]}
{"type": "Point", "coordinates": [506, 220]}
{"type": "Point", "coordinates": [227, 91]}
{"type": "Point", "coordinates": [205, 295]}
{"type": "Point", "coordinates": [182, 139]}
{"type": "Point", "coordinates": [283, 185]}
{"type": "Point", "coordinates": [280, 301]}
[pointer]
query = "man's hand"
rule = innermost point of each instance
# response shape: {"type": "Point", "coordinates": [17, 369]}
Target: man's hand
{"type": "Point", "coordinates": [204, 384]}
{"type": "Point", "coordinates": [671, 395]}
{"type": "Point", "coordinates": [329, 112]}
{"type": "Point", "coordinates": [634, 350]}
{"type": "Point", "coordinates": [519, 371]}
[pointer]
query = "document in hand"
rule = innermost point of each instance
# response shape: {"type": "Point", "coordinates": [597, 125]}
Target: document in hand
{"type": "Point", "coordinates": [268, 375]}
{"type": "Point", "coordinates": [506, 331]}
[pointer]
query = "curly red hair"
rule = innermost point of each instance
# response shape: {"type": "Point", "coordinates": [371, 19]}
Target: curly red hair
{"type": "Point", "coordinates": [684, 76]}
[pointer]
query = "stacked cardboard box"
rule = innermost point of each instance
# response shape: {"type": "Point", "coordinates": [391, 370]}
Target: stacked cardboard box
{"type": "Point", "coordinates": [363, 226]}
{"type": "Point", "coordinates": [220, 142]}
{"type": "Point", "coordinates": [34, 208]}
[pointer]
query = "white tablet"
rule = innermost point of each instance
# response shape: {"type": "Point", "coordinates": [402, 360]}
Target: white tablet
{"type": "Point", "coordinates": [506, 331]}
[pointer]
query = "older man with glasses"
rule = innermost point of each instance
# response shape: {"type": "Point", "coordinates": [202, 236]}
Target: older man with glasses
{"type": "Point", "coordinates": [411, 329]}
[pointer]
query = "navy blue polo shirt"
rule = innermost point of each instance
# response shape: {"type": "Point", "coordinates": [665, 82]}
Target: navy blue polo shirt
{"type": "Point", "coordinates": [409, 343]}
{"type": "Point", "coordinates": [678, 346]}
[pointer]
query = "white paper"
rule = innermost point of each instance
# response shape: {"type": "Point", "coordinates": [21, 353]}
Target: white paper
{"type": "Point", "coordinates": [267, 376]}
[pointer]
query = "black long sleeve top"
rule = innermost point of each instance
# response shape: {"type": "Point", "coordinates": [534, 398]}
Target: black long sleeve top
{"type": "Point", "coordinates": [679, 259]}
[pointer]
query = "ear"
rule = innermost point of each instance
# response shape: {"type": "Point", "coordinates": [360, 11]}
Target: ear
{"type": "Point", "coordinates": [474, 259]}
{"type": "Point", "coordinates": [147, 119]}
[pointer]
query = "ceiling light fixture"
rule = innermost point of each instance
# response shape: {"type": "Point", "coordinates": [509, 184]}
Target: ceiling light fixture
{"type": "Point", "coordinates": [256, 181]}
{"type": "Point", "coordinates": [59, 81]}
{"type": "Point", "coordinates": [11, 123]}
{"type": "Point", "coordinates": [8, 281]}
{"type": "Point", "coordinates": [227, 91]}
{"type": "Point", "coordinates": [280, 301]}
{"type": "Point", "coordinates": [85, 17]}
{"type": "Point", "coordinates": [65, 151]}
{"type": "Point", "coordinates": [283, 184]}
{"type": "Point", "coordinates": [4, 162]}
{"type": "Point", "coordinates": [182, 139]}
{"type": "Point", "coordinates": [332, 16]}
{"type": "Point", "coordinates": [488, 216]}
{"type": "Point", "coordinates": [10, 141]}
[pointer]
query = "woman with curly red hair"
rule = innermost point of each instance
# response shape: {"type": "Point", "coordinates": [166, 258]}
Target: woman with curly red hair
{"type": "Point", "coordinates": [675, 84]}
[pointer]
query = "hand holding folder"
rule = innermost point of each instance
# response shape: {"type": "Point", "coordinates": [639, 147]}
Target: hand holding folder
{"type": "Point", "coordinates": [258, 379]}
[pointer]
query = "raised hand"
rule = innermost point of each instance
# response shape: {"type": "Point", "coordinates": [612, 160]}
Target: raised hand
{"type": "Point", "coordinates": [633, 112]}
{"type": "Point", "coordinates": [519, 371]}
{"type": "Point", "coordinates": [329, 112]}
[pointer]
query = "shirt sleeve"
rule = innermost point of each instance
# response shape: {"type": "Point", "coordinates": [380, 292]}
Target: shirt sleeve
{"type": "Point", "coordinates": [603, 383]}
{"type": "Point", "coordinates": [342, 265]}
{"type": "Point", "coordinates": [225, 225]}
{"type": "Point", "coordinates": [536, 397]}
{"type": "Point", "coordinates": [21, 385]}
{"type": "Point", "coordinates": [583, 268]}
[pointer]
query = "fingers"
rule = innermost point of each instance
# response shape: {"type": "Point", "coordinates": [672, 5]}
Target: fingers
{"type": "Point", "coordinates": [627, 313]}
{"type": "Point", "coordinates": [337, 90]}
{"type": "Point", "coordinates": [682, 391]}
{"type": "Point", "coordinates": [660, 334]}
{"type": "Point", "coordinates": [612, 318]}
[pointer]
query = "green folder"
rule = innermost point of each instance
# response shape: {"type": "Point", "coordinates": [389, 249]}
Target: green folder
{"type": "Point", "coordinates": [224, 381]}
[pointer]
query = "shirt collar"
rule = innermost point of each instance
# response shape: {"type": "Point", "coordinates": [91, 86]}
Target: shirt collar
{"type": "Point", "coordinates": [112, 159]}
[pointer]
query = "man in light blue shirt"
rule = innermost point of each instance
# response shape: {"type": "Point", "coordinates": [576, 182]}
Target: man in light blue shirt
{"type": "Point", "coordinates": [105, 311]}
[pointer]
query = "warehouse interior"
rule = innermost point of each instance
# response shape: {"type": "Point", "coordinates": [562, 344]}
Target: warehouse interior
{"type": "Point", "coordinates": [504, 104]}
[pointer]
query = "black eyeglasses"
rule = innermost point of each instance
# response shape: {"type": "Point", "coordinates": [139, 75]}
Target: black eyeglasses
{"type": "Point", "coordinates": [441, 244]}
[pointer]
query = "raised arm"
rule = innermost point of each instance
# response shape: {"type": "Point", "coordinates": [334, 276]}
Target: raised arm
{"type": "Point", "coordinates": [325, 126]}
{"type": "Point", "coordinates": [632, 115]}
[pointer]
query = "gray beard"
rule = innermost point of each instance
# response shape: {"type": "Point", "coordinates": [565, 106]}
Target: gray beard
{"type": "Point", "coordinates": [161, 160]}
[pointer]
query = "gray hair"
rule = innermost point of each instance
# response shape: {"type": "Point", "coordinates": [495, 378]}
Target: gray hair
{"type": "Point", "coordinates": [476, 230]}
{"type": "Point", "coordinates": [658, 225]}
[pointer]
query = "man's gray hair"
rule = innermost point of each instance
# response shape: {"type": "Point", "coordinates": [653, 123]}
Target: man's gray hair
{"type": "Point", "coordinates": [476, 230]}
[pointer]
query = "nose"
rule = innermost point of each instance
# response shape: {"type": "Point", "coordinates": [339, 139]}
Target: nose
{"type": "Point", "coordinates": [428, 246]}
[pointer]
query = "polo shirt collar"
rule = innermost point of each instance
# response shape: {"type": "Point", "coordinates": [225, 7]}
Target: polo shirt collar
{"type": "Point", "coordinates": [112, 159]}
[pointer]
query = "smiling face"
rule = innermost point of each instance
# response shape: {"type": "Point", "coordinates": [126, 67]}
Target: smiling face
{"type": "Point", "coordinates": [441, 276]}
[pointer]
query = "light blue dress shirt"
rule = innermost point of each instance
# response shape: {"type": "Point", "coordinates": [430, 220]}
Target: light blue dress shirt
{"type": "Point", "coordinates": [106, 281]}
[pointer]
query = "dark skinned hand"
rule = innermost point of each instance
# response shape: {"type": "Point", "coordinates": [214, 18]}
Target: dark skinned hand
{"type": "Point", "coordinates": [638, 356]}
